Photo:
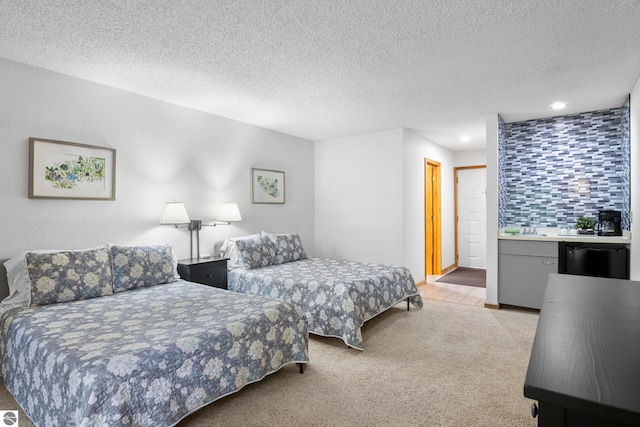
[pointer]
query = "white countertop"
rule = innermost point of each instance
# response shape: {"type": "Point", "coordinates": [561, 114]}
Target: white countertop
{"type": "Point", "coordinates": [551, 235]}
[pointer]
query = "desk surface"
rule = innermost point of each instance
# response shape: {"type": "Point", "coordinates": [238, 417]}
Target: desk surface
{"type": "Point", "coordinates": [586, 352]}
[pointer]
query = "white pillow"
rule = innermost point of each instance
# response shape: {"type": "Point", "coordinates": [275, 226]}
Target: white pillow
{"type": "Point", "coordinates": [229, 250]}
{"type": "Point", "coordinates": [18, 276]}
{"type": "Point", "coordinates": [18, 280]}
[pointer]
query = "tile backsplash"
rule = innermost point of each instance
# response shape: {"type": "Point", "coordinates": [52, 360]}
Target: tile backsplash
{"type": "Point", "coordinates": [557, 169]}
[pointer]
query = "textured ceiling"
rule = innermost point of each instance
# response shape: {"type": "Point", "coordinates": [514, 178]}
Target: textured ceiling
{"type": "Point", "coordinates": [329, 68]}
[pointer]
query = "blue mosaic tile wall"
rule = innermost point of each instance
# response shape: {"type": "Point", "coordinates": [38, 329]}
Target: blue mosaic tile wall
{"type": "Point", "coordinates": [503, 194]}
{"type": "Point", "coordinates": [626, 163]}
{"type": "Point", "coordinates": [557, 169]}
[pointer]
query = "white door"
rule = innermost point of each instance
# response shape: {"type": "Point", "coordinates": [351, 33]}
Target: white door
{"type": "Point", "coordinates": [472, 217]}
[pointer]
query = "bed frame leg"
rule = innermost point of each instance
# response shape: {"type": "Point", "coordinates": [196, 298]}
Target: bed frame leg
{"type": "Point", "coordinates": [301, 367]}
{"type": "Point", "coordinates": [408, 309]}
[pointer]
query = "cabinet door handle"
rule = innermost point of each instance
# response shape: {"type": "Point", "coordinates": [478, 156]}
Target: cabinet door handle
{"type": "Point", "coordinates": [548, 262]}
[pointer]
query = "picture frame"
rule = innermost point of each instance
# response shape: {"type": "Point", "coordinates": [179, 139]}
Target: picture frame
{"type": "Point", "coordinates": [267, 186]}
{"type": "Point", "coordinates": [72, 171]}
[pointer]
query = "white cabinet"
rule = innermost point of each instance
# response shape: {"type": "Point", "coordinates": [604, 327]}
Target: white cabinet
{"type": "Point", "coordinates": [523, 270]}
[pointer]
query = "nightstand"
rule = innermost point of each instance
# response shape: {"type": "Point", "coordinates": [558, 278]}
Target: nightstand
{"type": "Point", "coordinates": [207, 271]}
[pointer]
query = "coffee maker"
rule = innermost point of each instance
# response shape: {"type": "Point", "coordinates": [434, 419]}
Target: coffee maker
{"type": "Point", "coordinates": [609, 223]}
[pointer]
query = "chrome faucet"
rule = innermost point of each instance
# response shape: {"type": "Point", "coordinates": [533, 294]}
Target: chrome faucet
{"type": "Point", "coordinates": [528, 228]}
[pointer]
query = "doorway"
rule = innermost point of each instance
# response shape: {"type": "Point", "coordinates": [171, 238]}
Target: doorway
{"type": "Point", "coordinates": [433, 227]}
{"type": "Point", "coordinates": [471, 216]}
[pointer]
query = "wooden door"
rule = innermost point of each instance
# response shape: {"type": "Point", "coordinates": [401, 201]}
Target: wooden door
{"type": "Point", "coordinates": [433, 237]}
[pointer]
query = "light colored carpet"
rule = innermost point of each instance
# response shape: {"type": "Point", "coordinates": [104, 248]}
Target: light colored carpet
{"type": "Point", "coordinates": [445, 365]}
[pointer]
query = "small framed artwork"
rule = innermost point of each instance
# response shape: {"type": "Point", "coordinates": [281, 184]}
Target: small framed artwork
{"type": "Point", "coordinates": [267, 186]}
{"type": "Point", "coordinates": [67, 170]}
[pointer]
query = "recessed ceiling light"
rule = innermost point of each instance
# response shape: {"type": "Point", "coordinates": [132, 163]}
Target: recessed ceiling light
{"type": "Point", "coordinates": [558, 105]}
{"type": "Point", "coordinates": [465, 138]}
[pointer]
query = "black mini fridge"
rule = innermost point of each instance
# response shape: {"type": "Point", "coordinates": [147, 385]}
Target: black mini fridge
{"type": "Point", "coordinates": [594, 259]}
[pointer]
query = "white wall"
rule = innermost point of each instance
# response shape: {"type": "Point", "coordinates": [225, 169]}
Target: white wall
{"type": "Point", "coordinates": [370, 198]}
{"type": "Point", "coordinates": [359, 197]}
{"type": "Point", "coordinates": [164, 153]}
{"type": "Point", "coordinates": [635, 181]}
{"type": "Point", "coordinates": [470, 158]}
{"type": "Point", "coordinates": [416, 150]}
{"type": "Point", "coordinates": [492, 209]}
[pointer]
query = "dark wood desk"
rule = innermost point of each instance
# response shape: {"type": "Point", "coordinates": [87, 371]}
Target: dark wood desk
{"type": "Point", "coordinates": [585, 362]}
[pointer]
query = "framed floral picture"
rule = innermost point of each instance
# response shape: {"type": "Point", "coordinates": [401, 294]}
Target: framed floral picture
{"type": "Point", "coordinates": [67, 170]}
{"type": "Point", "coordinates": [267, 186]}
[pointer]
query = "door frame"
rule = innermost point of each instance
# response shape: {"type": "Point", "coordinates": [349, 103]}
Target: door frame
{"type": "Point", "coordinates": [455, 201]}
{"type": "Point", "coordinates": [433, 200]}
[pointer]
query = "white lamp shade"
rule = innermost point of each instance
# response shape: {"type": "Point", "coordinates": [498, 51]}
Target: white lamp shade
{"type": "Point", "coordinates": [175, 213]}
{"type": "Point", "coordinates": [229, 212]}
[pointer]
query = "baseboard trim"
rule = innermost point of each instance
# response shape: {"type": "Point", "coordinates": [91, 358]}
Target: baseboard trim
{"type": "Point", "coordinates": [492, 306]}
{"type": "Point", "coordinates": [450, 268]}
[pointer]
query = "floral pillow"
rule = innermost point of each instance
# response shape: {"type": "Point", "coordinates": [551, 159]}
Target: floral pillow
{"type": "Point", "coordinates": [141, 266]}
{"type": "Point", "coordinates": [69, 275]}
{"type": "Point", "coordinates": [288, 247]}
{"type": "Point", "coordinates": [230, 251]}
{"type": "Point", "coordinates": [255, 251]}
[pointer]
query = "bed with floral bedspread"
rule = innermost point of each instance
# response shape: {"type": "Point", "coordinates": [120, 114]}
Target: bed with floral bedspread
{"type": "Point", "coordinates": [144, 357]}
{"type": "Point", "coordinates": [336, 296]}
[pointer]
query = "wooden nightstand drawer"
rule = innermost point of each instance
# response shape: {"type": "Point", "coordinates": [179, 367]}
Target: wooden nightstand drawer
{"type": "Point", "coordinates": [209, 271]}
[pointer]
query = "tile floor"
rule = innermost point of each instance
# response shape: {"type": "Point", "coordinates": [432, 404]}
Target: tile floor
{"type": "Point", "coordinates": [469, 295]}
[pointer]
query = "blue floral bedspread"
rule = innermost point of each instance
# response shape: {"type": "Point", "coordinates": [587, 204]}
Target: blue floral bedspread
{"type": "Point", "coordinates": [336, 296]}
{"type": "Point", "coordinates": [145, 357]}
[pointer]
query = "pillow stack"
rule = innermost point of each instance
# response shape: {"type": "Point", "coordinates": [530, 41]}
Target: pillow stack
{"type": "Point", "coordinates": [262, 250]}
{"type": "Point", "coordinates": [49, 277]}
